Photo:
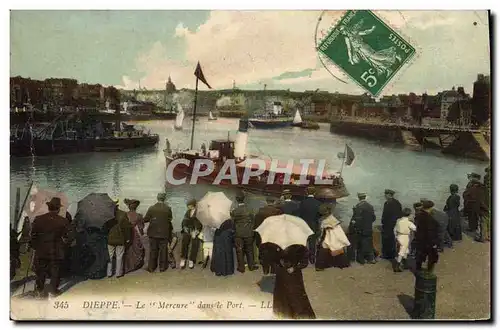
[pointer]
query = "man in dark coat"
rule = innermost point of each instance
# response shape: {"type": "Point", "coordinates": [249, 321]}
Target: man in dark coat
{"type": "Point", "coordinates": [265, 212]}
{"type": "Point", "coordinates": [119, 236]}
{"type": "Point", "coordinates": [475, 202]}
{"type": "Point", "coordinates": [243, 237]}
{"type": "Point", "coordinates": [360, 233]}
{"type": "Point", "coordinates": [49, 236]}
{"type": "Point", "coordinates": [159, 217]}
{"type": "Point", "coordinates": [426, 237]}
{"type": "Point", "coordinates": [309, 212]}
{"type": "Point", "coordinates": [444, 237]}
{"type": "Point", "coordinates": [390, 215]}
{"type": "Point", "coordinates": [288, 206]}
{"type": "Point", "coordinates": [417, 207]}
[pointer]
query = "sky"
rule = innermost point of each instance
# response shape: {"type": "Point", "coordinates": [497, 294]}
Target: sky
{"type": "Point", "coordinates": [277, 48]}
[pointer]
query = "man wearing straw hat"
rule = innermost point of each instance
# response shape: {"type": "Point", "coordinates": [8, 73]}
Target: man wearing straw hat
{"type": "Point", "coordinates": [49, 236]}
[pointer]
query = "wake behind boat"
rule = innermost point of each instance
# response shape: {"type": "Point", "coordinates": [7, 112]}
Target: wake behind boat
{"type": "Point", "coordinates": [179, 119]}
{"type": "Point", "coordinates": [211, 116]}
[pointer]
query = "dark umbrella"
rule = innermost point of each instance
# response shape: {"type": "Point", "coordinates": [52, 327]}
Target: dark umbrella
{"type": "Point", "coordinates": [95, 210]}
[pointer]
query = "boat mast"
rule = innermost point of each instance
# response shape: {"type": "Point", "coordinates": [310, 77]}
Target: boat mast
{"type": "Point", "coordinates": [194, 113]}
{"type": "Point", "coordinates": [117, 115]}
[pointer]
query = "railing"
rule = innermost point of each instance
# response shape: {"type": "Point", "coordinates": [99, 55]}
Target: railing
{"type": "Point", "coordinates": [388, 123]}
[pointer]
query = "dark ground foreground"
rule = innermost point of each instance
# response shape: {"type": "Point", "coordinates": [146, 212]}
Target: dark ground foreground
{"type": "Point", "coordinates": [369, 292]}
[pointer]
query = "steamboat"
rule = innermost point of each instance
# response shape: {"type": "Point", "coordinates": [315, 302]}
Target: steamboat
{"type": "Point", "coordinates": [222, 150]}
{"type": "Point", "coordinates": [75, 133]}
{"type": "Point", "coordinates": [271, 119]}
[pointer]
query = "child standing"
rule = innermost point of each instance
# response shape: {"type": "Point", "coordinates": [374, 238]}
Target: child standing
{"type": "Point", "coordinates": [402, 231]}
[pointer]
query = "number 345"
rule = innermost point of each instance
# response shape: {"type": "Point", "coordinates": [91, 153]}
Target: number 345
{"type": "Point", "coordinates": [61, 305]}
{"type": "Point", "coordinates": [369, 78]}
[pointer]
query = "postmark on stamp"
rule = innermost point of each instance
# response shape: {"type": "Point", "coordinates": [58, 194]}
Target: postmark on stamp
{"type": "Point", "coordinates": [366, 49]}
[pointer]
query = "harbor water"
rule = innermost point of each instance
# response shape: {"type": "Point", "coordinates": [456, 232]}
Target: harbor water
{"type": "Point", "coordinates": [141, 174]}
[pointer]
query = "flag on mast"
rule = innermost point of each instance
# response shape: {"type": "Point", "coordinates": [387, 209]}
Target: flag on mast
{"type": "Point", "coordinates": [199, 74]}
{"type": "Point", "coordinates": [348, 155]}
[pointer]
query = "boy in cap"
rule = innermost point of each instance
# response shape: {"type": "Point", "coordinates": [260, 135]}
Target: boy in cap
{"type": "Point", "coordinates": [391, 213]}
{"type": "Point", "coordinates": [159, 217]}
{"type": "Point", "coordinates": [404, 227]}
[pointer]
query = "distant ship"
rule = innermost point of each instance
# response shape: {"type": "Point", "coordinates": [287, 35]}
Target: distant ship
{"type": "Point", "coordinates": [271, 119]}
{"type": "Point", "coordinates": [74, 134]}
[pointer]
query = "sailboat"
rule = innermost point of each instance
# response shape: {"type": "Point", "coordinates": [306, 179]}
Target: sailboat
{"type": "Point", "coordinates": [179, 119]}
{"type": "Point", "coordinates": [211, 116]}
{"type": "Point", "coordinates": [297, 120]}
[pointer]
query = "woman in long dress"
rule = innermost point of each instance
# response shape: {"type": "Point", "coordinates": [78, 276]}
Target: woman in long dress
{"type": "Point", "coordinates": [452, 209]}
{"type": "Point", "coordinates": [330, 249]}
{"type": "Point", "coordinates": [290, 300]}
{"type": "Point", "coordinates": [222, 253]}
{"type": "Point", "coordinates": [134, 253]}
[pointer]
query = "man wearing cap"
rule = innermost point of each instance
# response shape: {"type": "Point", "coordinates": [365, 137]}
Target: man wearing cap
{"type": "Point", "coordinates": [49, 237]}
{"type": "Point", "coordinates": [119, 236]}
{"type": "Point", "coordinates": [309, 212]}
{"type": "Point", "coordinates": [265, 212]}
{"type": "Point", "coordinates": [361, 232]}
{"type": "Point", "coordinates": [159, 217]}
{"type": "Point", "coordinates": [474, 201]}
{"type": "Point", "coordinates": [390, 215]}
{"type": "Point", "coordinates": [288, 206]}
{"type": "Point", "coordinates": [243, 238]}
{"type": "Point", "coordinates": [426, 237]}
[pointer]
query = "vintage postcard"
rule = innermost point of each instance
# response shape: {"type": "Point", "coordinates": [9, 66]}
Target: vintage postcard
{"type": "Point", "coordinates": [250, 165]}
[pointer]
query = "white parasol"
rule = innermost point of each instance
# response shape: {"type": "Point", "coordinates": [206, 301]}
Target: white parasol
{"type": "Point", "coordinates": [213, 209]}
{"type": "Point", "coordinates": [284, 230]}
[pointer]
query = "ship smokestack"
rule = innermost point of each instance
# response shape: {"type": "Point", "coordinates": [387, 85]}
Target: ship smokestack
{"type": "Point", "coordinates": [240, 145]}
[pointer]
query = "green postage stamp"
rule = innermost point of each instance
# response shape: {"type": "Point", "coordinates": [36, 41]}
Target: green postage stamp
{"type": "Point", "coordinates": [366, 49]}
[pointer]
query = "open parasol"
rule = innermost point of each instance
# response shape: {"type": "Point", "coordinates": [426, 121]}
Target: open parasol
{"type": "Point", "coordinates": [213, 209]}
{"type": "Point", "coordinates": [284, 230]}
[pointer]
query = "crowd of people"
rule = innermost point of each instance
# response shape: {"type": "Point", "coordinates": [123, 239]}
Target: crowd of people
{"type": "Point", "coordinates": [134, 241]}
